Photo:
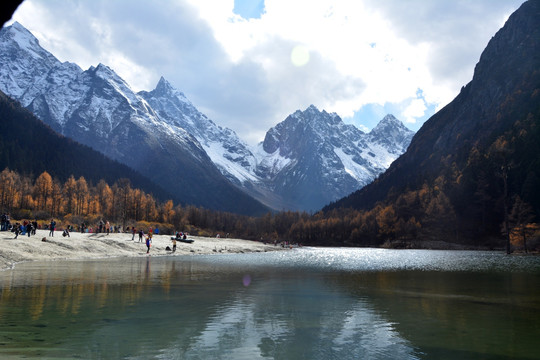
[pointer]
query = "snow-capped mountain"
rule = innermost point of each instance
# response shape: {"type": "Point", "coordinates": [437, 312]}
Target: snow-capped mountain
{"type": "Point", "coordinates": [99, 109]}
{"type": "Point", "coordinates": [230, 154]}
{"type": "Point", "coordinates": [313, 158]}
{"type": "Point", "coordinates": [305, 162]}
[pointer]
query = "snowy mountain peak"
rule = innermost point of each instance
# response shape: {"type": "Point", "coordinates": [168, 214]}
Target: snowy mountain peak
{"type": "Point", "coordinates": [21, 35]}
{"type": "Point", "coordinates": [164, 89]}
{"type": "Point", "coordinates": [389, 122]}
{"type": "Point", "coordinates": [307, 160]}
{"type": "Point", "coordinates": [390, 119]}
{"type": "Point", "coordinates": [18, 36]}
{"type": "Point", "coordinates": [103, 71]}
{"type": "Point", "coordinates": [390, 132]}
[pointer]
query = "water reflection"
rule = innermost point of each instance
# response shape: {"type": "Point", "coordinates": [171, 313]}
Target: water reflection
{"type": "Point", "coordinates": [308, 304]}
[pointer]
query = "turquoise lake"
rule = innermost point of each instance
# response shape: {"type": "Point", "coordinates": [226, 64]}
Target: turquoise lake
{"type": "Point", "coordinates": [308, 303]}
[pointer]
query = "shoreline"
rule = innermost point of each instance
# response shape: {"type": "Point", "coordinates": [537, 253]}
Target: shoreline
{"type": "Point", "coordinates": [97, 246]}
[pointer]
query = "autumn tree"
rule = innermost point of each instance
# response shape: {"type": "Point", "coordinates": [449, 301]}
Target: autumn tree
{"type": "Point", "coordinates": [69, 191]}
{"type": "Point", "coordinates": [122, 195]}
{"type": "Point", "coordinates": [386, 220]}
{"type": "Point", "coordinates": [25, 191]}
{"type": "Point", "coordinates": [42, 190]}
{"type": "Point", "coordinates": [104, 196]}
{"type": "Point", "coordinates": [9, 184]}
{"type": "Point", "coordinates": [520, 219]}
{"type": "Point", "coordinates": [56, 199]}
{"type": "Point", "coordinates": [81, 196]}
{"type": "Point", "coordinates": [167, 211]}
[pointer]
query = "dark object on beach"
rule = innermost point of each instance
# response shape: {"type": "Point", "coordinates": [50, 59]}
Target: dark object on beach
{"type": "Point", "coordinates": [189, 241]}
{"type": "Point", "coordinates": [44, 239]}
{"type": "Point", "coordinates": [168, 248]}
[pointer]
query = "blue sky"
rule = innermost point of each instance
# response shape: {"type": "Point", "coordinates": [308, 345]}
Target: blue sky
{"type": "Point", "coordinates": [247, 65]}
{"type": "Point", "coordinates": [249, 9]}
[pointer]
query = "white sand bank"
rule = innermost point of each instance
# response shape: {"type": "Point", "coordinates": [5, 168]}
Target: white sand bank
{"type": "Point", "coordinates": [92, 246]}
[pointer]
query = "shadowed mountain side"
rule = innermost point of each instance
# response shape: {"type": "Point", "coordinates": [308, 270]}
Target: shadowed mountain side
{"type": "Point", "coordinates": [29, 146]}
{"type": "Point", "coordinates": [501, 103]}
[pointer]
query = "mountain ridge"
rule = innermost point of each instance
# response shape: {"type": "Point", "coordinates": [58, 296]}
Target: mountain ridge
{"type": "Point", "coordinates": [98, 108]}
{"type": "Point", "coordinates": [463, 153]}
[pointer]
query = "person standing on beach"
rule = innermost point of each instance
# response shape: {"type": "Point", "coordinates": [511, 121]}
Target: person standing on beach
{"type": "Point", "coordinates": [173, 244]}
{"type": "Point", "coordinates": [141, 234]}
{"type": "Point", "coordinates": [52, 225]}
{"type": "Point", "coordinates": [148, 242]}
{"type": "Point", "coordinates": [108, 226]}
{"type": "Point", "coordinates": [133, 231]}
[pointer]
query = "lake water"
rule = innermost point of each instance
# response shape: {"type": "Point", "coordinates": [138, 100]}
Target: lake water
{"type": "Point", "coordinates": [298, 304]}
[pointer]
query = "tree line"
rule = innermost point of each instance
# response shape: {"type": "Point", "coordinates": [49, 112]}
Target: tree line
{"type": "Point", "coordinates": [78, 201]}
{"type": "Point", "coordinates": [431, 212]}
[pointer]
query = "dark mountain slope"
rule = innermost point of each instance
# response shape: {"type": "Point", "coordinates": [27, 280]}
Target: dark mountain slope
{"type": "Point", "coordinates": [484, 119]}
{"type": "Point", "coordinates": [29, 146]}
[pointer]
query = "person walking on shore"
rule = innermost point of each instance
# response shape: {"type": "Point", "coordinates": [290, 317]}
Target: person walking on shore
{"type": "Point", "coordinates": [52, 225]}
{"type": "Point", "coordinates": [17, 230]}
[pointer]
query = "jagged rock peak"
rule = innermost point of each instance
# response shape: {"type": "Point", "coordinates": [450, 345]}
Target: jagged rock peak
{"type": "Point", "coordinates": [26, 41]}
{"type": "Point", "coordinates": [389, 121]}
{"type": "Point", "coordinates": [164, 86]}
{"type": "Point", "coordinates": [165, 89]}
{"type": "Point", "coordinates": [17, 28]}
{"type": "Point", "coordinates": [313, 115]}
{"type": "Point", "coordinates": [104, 72]}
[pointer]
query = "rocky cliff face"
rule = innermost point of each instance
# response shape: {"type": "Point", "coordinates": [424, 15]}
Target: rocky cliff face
{"type": "Point", "coordinates": [313, 157]}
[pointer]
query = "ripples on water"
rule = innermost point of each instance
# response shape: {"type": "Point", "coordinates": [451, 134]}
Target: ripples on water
{"type": "Point", "coordinates": [307, 303]}
{"type": "Point", "coordinates": [347, 259]}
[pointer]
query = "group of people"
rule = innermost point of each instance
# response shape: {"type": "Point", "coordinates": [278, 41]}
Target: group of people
{"type": "Point", "coordinates": [29, 228]}
{"type": "Point", "coordinates": [26, 228]}
{"type": "Point", "coordinates": [102, 227]}
{"type": "Point", "coordinates": [142, 237]}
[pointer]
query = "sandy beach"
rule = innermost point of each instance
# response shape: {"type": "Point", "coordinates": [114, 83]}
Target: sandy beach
{"type": "Point", "coordinates": [93, 246]}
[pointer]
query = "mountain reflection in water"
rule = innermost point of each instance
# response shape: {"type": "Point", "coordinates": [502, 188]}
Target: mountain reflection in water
{"type": "Point", "coordinates": [301, 304]}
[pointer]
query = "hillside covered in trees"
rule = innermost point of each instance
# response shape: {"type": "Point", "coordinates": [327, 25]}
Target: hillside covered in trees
{"type": "Point", "coordinates": [29, 146]}
{"type": "Point", "coordinates": [77, 201]}
{"type": "Point", "coordinates": [471, 173]}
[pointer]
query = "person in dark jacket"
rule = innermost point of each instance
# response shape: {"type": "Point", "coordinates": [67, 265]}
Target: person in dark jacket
{"type": "Point", "coordinates": [52, 225]}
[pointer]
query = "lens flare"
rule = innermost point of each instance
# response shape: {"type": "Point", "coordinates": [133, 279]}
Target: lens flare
{"type": "Point", "coordinates": [300, 55]}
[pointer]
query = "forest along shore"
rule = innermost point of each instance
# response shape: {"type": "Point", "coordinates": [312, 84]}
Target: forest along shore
{"type": "Point", "coordinates": [93, 246]}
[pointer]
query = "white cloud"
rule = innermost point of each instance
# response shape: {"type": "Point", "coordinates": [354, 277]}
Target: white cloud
{"type": "Point", "coordinates": [415, 109]}
{"type": "Point", "coordinates": [239, 72]}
